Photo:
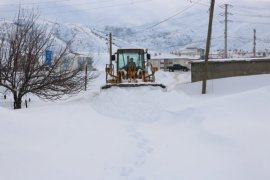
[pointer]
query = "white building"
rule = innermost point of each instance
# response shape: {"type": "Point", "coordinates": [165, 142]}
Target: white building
{"type": "Point", "coordinates": [77, 61]}
{"type": "Point", "coordinates": [163, 63]}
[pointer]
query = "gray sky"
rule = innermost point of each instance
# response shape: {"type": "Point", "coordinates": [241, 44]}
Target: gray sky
{"type": "Point", "coordinates": [115, 12]}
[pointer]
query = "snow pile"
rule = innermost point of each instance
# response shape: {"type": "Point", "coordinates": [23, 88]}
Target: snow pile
{"type": "Point", "coordinates": [143, 133]}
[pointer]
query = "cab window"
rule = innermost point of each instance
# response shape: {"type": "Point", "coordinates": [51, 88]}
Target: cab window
{"type": "Point", "coordinates": [125, 57]}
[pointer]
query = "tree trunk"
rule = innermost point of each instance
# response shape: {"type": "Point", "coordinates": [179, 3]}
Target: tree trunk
{"type": "Point", "coordinates": [17, 102]}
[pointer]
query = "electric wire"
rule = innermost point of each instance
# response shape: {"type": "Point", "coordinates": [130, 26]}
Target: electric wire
{"type": "Point", "coordinates": [168, 18]}
{"type": "Point", "coordinates": [33, 3]}
{"type": "Point", "coordinates": [65, 5]}
{"type": "Point", "coordinates": [101, 7]}
{"type": "Point", "coordinates": [250, 22]}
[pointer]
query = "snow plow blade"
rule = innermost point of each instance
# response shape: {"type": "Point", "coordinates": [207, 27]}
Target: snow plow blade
{"type": "Point", "coordinates": [107, 86]}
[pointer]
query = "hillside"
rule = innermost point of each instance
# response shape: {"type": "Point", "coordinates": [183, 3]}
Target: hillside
{"type": "Point", "coordinates": [135, 27]}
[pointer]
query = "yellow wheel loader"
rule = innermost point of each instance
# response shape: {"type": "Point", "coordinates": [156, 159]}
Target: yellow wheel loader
{"type": "Point", "coordinates": [130, 69]}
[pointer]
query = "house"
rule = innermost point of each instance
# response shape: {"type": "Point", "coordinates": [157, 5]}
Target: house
{"type": "Point", "coordinates": [163, 63]}
{"type": "Point", "coordinates": [77, 60]}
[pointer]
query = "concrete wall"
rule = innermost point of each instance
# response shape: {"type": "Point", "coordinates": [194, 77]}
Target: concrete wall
{"type": "Point", "coordinates": [232, 68]}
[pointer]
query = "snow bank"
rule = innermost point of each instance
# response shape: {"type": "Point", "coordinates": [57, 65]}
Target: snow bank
{"type": "Point", "coordinates": [143, 133]}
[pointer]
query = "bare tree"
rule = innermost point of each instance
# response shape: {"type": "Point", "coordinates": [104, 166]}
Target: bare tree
{"type": "Point", "coordinates": [22, 67]}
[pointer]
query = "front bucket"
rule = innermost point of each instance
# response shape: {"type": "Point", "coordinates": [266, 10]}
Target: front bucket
{"type": "Point", "coordinates": [107, 86]}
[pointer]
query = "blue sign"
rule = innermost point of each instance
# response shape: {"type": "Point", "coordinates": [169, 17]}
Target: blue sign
{"type": "Point", "coordinates": [48, 57]}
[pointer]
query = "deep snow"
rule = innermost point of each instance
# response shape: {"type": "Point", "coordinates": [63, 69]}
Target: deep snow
{"type": "Point", "coordinates": [143, 133]}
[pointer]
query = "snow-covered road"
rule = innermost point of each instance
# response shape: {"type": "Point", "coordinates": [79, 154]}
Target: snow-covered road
{"type": "Point", "coordinates": [143, 133]}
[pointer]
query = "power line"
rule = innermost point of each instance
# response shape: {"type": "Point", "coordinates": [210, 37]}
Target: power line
{"type": "Point", "coordinates": [68, 5]}
{"type": "Point", "coordinates": [123, 4]}
{"type": "Point", "coordinates": [197, 41]}
{"type": "Point", "coordinates": [103, 7]}
{"type": "Point", "coordinates": [160, 22]}
{"type": "Point", "coordinates": [239, 37]}
{"type": "Point", "coordinates": [170, 17]}
{"type": "Point", "coordinates": [33, 3]}
{"type": "Point", "coordinates": [249, 8]}
{"type": "Point", "coordinates": [93, 2]}
{"type": "Point", "coordinates": [181, 17]}
{"type": "Point", "coordinates": [250, 22]}
{"type": "Point", "coordinates": [252, 15]}
{"type": "Point", "coordinates": [203, 4]}
{"type": "Point", "coordinates": [250, 39]}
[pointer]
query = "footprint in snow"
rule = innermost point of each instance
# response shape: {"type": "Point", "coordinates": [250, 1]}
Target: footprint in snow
{"type": "Point", "coordinates": [150, 150]}
{"type": "Point", "coordinates": [126, 171]}
{"type": "Point", "coordinates": [141, 155]}
{"type": "Point", "coordinates": [135, 135]}
{"type": "Point", "coordinates": [139, 163]}
{"type": "Point", "coordinates": [141, 178]}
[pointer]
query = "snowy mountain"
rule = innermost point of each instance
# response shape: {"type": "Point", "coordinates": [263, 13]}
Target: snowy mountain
{"type": "Point", "coordinates": [142, 133]}
{"type": "Point", "coordinates": [141, 26]}
{"type": "Point", "coordinates": [188, 29]}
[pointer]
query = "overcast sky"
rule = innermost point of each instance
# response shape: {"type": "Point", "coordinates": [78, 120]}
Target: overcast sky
{"type": "Point", "coordinates": [133, 12]}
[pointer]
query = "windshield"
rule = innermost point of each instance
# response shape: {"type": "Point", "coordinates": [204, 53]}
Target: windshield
{"type": "Point", "coordinates": [125, 57]}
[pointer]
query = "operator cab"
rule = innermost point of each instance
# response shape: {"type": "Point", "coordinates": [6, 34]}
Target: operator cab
{"type": "Point", "coordinates": [130, 56]}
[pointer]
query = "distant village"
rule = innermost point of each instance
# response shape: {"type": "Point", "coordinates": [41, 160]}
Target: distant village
{"type": "Point", "coordinates": [185, 56]}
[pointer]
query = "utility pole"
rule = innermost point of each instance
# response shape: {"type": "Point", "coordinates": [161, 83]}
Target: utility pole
{"type": "Point", "coordinates": [110, 39]}
{"type": "Point", "coordinates": [85, 77]}
{"type": "Point", "coordinates": [226, 32]}
{"type": "Point", "coordinates": [254, 43]}
{"type": "Point", "coordinates": [208, 43]}
{"type": "Point", "coordinates": [226, 14]}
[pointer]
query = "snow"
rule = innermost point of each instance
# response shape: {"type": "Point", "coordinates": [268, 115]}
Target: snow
{"type": "Point", "coordinates": [143, 133]}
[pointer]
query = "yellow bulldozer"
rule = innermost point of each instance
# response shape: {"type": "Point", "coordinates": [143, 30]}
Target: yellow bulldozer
{"type": "Point", "coordinates": [130, 68]}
